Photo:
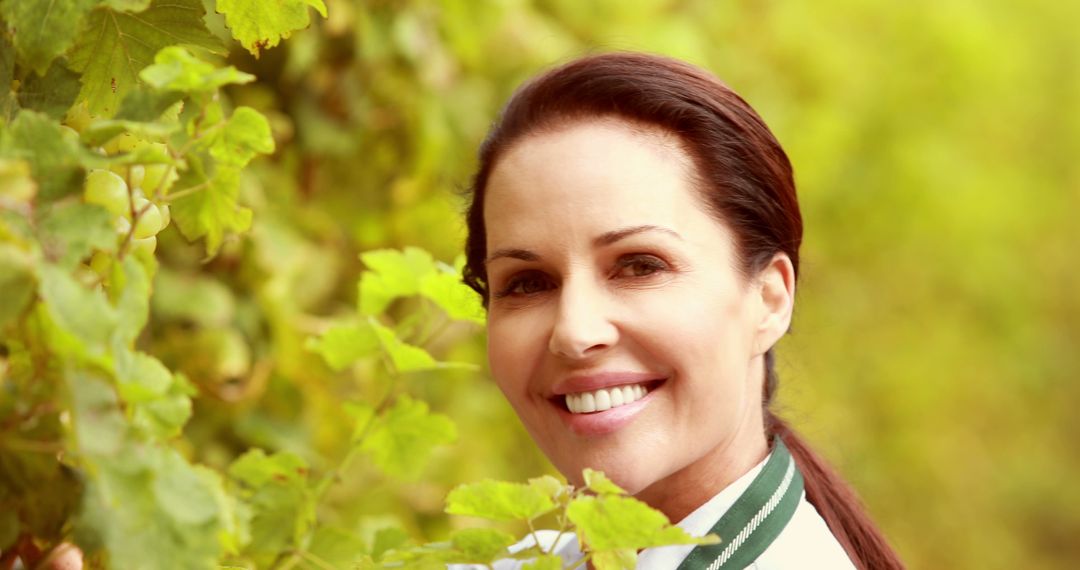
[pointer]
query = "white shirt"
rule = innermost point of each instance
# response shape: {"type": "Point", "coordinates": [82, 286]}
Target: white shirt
{"type": "Point", "coordinates": [805, 542]}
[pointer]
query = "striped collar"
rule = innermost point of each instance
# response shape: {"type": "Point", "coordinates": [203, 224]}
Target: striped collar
{"type": "Point", "coordinates": [756, 517]}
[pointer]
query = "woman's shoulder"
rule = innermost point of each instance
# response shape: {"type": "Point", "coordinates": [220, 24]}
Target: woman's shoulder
{"type": "Point", "coordinates": [806, 542]}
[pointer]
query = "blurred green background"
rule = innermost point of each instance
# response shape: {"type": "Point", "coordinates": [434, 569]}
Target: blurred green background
{"type": "Point", "coordinates": [934, 351]}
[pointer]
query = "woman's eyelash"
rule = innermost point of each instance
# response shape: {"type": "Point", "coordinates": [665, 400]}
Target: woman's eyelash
{"type": "Point", "coordinates": [532, 282]}
{"type": "Point", "coordinates": [521, 280]}
{"type": "Point", "coordinates": [650, 263]}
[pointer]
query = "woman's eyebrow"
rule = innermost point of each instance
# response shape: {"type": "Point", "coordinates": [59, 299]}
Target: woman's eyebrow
{"type": "Point", "coordinates": [514, 253]}
{"type": "Point", "coordinates": [608, 238]}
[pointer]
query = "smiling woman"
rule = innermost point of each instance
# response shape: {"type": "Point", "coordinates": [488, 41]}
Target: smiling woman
{"type": "Point", "coordinates": [634, 233]}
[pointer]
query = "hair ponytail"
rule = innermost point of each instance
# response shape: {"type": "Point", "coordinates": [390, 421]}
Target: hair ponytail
{"type": "Point", "coordinates": [833, 498]}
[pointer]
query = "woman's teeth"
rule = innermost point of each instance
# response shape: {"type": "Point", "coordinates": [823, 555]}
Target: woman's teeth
{"type": "Point", "coordinates": [604, 399]}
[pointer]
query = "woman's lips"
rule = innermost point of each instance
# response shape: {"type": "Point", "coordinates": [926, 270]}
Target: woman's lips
{"type": "Point", "coordinates": [598, 380]}
{"type": "Point", "coordinates": [606, 421]}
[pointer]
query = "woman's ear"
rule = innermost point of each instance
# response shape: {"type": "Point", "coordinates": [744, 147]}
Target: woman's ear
{"type": "Point", "coordinates": [775, 292]}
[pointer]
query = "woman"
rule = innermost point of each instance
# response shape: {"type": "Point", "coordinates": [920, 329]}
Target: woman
{"type": "Point", "coordinates": [634, 233]}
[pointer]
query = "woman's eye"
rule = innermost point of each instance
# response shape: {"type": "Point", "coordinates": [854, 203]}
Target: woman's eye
{"type": "Point", "coordinates": [526, 284]}
{"type": "Point", "coordinates": [639, 266]}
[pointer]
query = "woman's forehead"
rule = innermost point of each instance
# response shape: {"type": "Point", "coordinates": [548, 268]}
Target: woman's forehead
{"type": "Point", "coordinates": [588, 178]}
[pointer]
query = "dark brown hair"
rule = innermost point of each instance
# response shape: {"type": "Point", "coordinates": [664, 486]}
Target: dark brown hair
{"type": "Point", "coordinates": [746, 180]}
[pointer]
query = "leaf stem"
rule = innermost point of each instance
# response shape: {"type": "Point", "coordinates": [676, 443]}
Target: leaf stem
{"type": "Point", "coordinates": [173, 196]}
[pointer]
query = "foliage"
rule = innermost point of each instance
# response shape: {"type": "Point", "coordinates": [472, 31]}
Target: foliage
{"type": "Point", "coordinates": [261, 372]}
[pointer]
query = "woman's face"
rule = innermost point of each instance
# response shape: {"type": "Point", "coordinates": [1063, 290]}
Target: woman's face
{"type": "Point", "coordinates": [613, 288]}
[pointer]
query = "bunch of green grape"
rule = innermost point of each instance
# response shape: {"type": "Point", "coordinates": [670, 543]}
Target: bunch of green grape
{"type": "Point", "coordinates": [133, 193]}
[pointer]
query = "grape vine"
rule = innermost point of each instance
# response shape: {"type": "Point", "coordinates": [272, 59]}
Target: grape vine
{"type": "Point", "coordinates": [115, 125]}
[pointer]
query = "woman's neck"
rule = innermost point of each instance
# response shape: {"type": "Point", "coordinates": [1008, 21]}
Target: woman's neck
{"type": "Point", "coordinates": [680, 493]}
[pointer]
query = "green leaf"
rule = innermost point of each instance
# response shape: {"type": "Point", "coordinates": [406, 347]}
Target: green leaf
{"type": "Point", "coordinates": [144, 104]}
{"type": "Point", "coordinates": [282, 507]}
{"type": "Point", "coordinates": [147, 505]}
{"type": "Point", "coordinates": [175, 69]}
{"type": "Point", "coordinates": [100, 429]}
{"type": "Point", "coordinates": [545, 562]}
{"type": "Point", "coordinates": [342, 345]}
{"type": "Point", "coordinates": [406, 357]}
{"type": "Point", "coordinates": [387, 539]}
{"type": "Point", "coordinates": [164, 417]}
{"type": "Point", "coordinates": [80, 313]}
{"type": "Point", "coordinates": [599, 483]}
{"type": "Point", "coordinates": [185, 493]}
{"type": "Point", "coordinates": [333, 547]}
{"type": "Point", "coordinates": [127, 5]}
{"type": "Point", "coordinates": [361, 415]}
{"type": "Point", "coordinates": [114, 47]}
{"type": "Point", "coordinates": [499, 500]}
{"type": "Point", "coordinates": [256, 469]}
{"type": "Point", "coordinates": [259, 25]}
{"type": "Point", "coordinates": [400, 440]}
{"type": "Point", "coordinates": [621, 559]}
{"type": "Point", "coordinates": [549, 486]}
{"type": "Point", "coordinates": [55, 160]}
{"type": "Point", "coordinates": [481, 545]}
{"type": "Point", "coordinates": [141, 377]}
{"type": "Point", "coordinates": [392, 274]}
{"type": "Point", "coordinates": [44, 29]}
{"type": "Point", "coordinates": [452, 295]}
{"type": "Point", "coordinates": [131, 289]}
{"type": "Point", "coordinates": [52, 94]}
{"type": "Point", "coordinates": [16, 282]}
{"type": "Point", "coordinates": [71, 231]}
{"type": "Point", "coordinates": [211, 211]}
{"type": "Point", "coordinates": [103, 130]}
{"type": "Point", "coordinates": [610, 523]}
{"type": "Point", "coordinates": [245, 134]}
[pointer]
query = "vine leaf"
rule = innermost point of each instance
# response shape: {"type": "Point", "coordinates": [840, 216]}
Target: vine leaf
{"type": "Point", "coordinates": [343, 344]}
{"type": "Point", "coordinates": [212, 207]}
{"type": "Point", "coordinates": [391, 274]}
{"type": "Point", "coordinates": [599, 483]}
{"type": "Point", "coordinates": [481, 545]}
{"type": "Point", "coordinates": [545, 562]}
{"type": "Point", "coordinates": [55, 160]}
{"type": "Point", "coordinates": [244, 135]}
{"type": "Point", "coordinates": [499, 500]}
{"type": "Point", "coordinates": [70, 231]}
{"type": "Point", "coordinates": [81, 315]}
{"type": "Point", "coordinates": [44, 29]}
{"type": "Point", "coordinates": [260, 25]}
{"type": "Point", "coordinates": [175, 69]}
{"type": "Point", "coordinates": [612, 523]}
{"type": "Point", "coordinates": [131, 482]}
{"type": "Point", "coordinates": [16, 282]}
{"type": "Point", "coordinates": [114, 47]}
{"type": "Point", "coordinates": [52, 94]}
{"type": "Point", "coordinates": [127, 5]}
{"type": "Point", "coordinates": [401, 439]}
{"type": "Point", "coordinates": [275, 489]}
{"type": "Point", "coordinates": [212, 211]}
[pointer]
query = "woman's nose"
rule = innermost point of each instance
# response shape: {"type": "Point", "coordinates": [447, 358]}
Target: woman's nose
{"type": "Point", "coordinates": [583, 327]}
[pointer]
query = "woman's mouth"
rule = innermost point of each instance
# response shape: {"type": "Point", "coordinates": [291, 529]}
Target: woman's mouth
{"type": "Point", "coordinates": [605, 398]}
{"type": "Point", "coordinates": [604, 410]}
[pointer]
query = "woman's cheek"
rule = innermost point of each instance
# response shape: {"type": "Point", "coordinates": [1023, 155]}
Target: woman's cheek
{"type": "Point", "coordinates": [508, 345]}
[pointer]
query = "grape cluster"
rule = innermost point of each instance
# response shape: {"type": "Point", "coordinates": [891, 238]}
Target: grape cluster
{"type": "Point", "coordinates": [122, 190]}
